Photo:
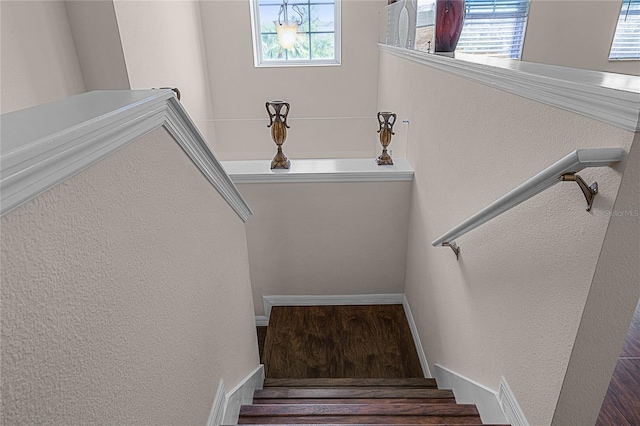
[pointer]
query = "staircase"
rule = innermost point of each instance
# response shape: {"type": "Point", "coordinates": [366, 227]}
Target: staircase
{"type": "Point", "coordinates": [356, 401]}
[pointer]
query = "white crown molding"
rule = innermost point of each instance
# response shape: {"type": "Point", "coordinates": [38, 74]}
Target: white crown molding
{"type": "Point", "coordinates": [509, 404]}
{"type": "Point", "coordinates": [608, 97]}
{"type": "Point", "coordinates": [422, 356]}
{"type": "Point", "coordinates": [328, 300]}
{"type": "Point", "coordinates": [242, 394]}
{"type": "Point", "coordinates": [217, 410]}
{"type": "Point", "coordinates": [45, 145]}
{"type": "Point", "coordinates": [262, 321]}
{"type": "Point", "coordinates": [319, 170]}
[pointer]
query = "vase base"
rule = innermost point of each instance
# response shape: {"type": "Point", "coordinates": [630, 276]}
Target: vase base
{"type": "Point", "coordinates": [447, 54]}
{"type": "Point", "coordinates": [280, 163]}
{"type": "Point", "coordinates": [384, 160]}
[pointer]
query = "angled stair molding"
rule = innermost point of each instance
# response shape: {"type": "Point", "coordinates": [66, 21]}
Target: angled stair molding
{"type": "Point", "coordinates": [216, 415]}
{"type": "Point", "coordinates": [510, 406]}
{"type": "Point", "coordinates": [44, 145]}
{"type": "Point", "coordinates": [468, 391]}
{"type": "Point", "coordinates": [608, 97]}
{"type": "Point", "coordinates": [242, 394]}
{"type": "Point", "coordinates": [422, 356]}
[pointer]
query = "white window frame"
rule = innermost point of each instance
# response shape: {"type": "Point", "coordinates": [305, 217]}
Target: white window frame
{"type": "Point", "coordinates": [257, 42]}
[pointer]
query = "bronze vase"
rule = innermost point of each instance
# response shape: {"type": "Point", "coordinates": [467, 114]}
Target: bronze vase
{"type": "Point", "coordinates": [386, 121]}
{"type": "Point", "coordinates": [278, 112]}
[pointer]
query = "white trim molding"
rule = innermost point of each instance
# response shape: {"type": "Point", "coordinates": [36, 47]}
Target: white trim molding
{"type": "Point", "coordinates": [217, 411]}
{"type": "Point", "coordinates": [468, 391]}
{"type": "Point", "coordinates": [319, 170]}
{"type": "Point", "coordinates": [262, 321]}
{"type": "Point", "coordinates": [422, 356]}
{"type": "Point", "coordinates": [45, 145]}
{"type": "Point", "coordinates": [328, 300]}
{"type": "Point", "coordinates": [509, 404]}
{"type": "Point", "coordinates": [608, 97]}
{"type": "Point", "coordinates": [242, 394]}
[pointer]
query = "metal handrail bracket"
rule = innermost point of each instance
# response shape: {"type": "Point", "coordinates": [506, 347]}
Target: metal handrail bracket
{"type": "Point", "coordinates": [564, 169]}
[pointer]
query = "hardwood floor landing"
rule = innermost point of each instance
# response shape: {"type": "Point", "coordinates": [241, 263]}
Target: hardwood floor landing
{"type": "Point", "coordinates": [372, 341]}
{"type": "Point", "coordinates": [621, 406]}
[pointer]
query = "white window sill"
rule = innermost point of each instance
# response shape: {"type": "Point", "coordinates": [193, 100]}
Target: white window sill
{"type": "Point", "coordinates": [319, 170]}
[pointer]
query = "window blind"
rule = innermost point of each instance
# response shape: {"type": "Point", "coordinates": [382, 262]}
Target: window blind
{"type": "Point", "coordinates": [626, 41]}
{"type": "Point", "coordinates": [494, 27]}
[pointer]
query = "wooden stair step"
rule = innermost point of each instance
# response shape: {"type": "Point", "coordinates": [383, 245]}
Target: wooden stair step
{"type": "Point", "coordinates": [347, 393]}
{"type": "Point", "coordinates": [376, 424]}
{"type": "Point", "coordinates": [360, 420]}
{"type": "Point", "coordinates": [348, 382]}
{"type": "Point", "coordinates": [354, 401]}
{"type": "Point", "coordinates": [357, 413]}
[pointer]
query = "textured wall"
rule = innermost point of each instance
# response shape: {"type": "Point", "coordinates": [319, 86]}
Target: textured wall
{"type": "Point", "coordinates": [513, 303]}
{"type": "Point", "coordinates": [574, 33]}
{"type": "Point", "coordinates": [610, 306]}
{"type": "Point", "coordinates": [325, 101]}
{"type": "Point", "coordinates": [125, 295]}
{"type": "Point", "coordinates": [39, 61]}
{"type": "Point", "coordinates": [327, 238]}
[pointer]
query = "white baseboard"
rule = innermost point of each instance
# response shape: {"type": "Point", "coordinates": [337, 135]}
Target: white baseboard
{"type": "Point", "coordinates": [468, 391]}
{"type": "Point", "coordinates": [510, 406]}
{"type": "Point", "coordinates": [242, 394]}
{"type": "Point", "coordinates": [323, 300]}
{"type": "Point", "coordinates": [416, 338]}
{"type": "Point", "coordinates": [217, 411]}
{"type": "Point", "coordinates": [262, 321]}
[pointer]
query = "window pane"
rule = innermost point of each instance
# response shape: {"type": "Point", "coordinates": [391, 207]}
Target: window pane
{"type": "Point", "coordinates": [494, 27]}
{"type": "Point", "coordinates": [316, 35]}
{"type": "Point", "coordinates": [268, 14]}
{"type": "Point", "coordinates": [322, 46]}
{"type": "Point", "coordinates": [300, 50]}
{"type": "Point", "coordinates": [322, 17]}
{"type": "Point", "coordinates": [271, 49]}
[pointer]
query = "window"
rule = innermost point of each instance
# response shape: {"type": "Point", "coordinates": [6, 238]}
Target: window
{"type": "Point", "coordinates": [318, 37]}
{"type": "Point", "coordinates": [626, 41]}
{"type": "Point", "coordinates": [494, 27]}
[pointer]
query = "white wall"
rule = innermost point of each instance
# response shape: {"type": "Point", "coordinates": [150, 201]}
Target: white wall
{"type": "Point", "coordinates": [163, 47]}
{"type": "Point", "coordinates": [575, 34]}
{"type": "Point", "coordinates": [613, 294]}
{"type": "Point", "coordinates": [39, 61]}
{"type": "Point", "coordinates": [326, 238]}
{"type": "Point", "coordinates": [511, 306]}
{"type": "Point", "coordinates": [332, 108]}
{"type": "Point", "coordinates": [97, 39]}
{"type": "Point", "coordinates": [125, 295]}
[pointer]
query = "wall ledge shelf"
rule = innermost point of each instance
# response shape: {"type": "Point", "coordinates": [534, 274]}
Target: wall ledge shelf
{"type": "Point", "coordinates": [608, 97]}
{"type": "Point", "coordinates": [319, 170]}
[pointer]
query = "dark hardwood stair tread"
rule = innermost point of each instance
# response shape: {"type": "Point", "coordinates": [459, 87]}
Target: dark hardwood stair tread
{"type": "Point", "coordinates": [451, 400]}
{"type": "Point", "coordinates": [371, 420]}
{"type": "Point", "coordinates": [376, 424]}
{"type": "Point", "coordinates": [347, 382]}
{"type": "Point", "coordinates": [348, 393]}
{"type": "Point", "coordinates": [273, 410]}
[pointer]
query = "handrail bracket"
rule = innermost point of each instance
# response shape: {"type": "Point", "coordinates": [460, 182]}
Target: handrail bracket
{"type": "Point", "coordinates": [454, 247]}
{"type": "Point", "coordinates": [589, 191]}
